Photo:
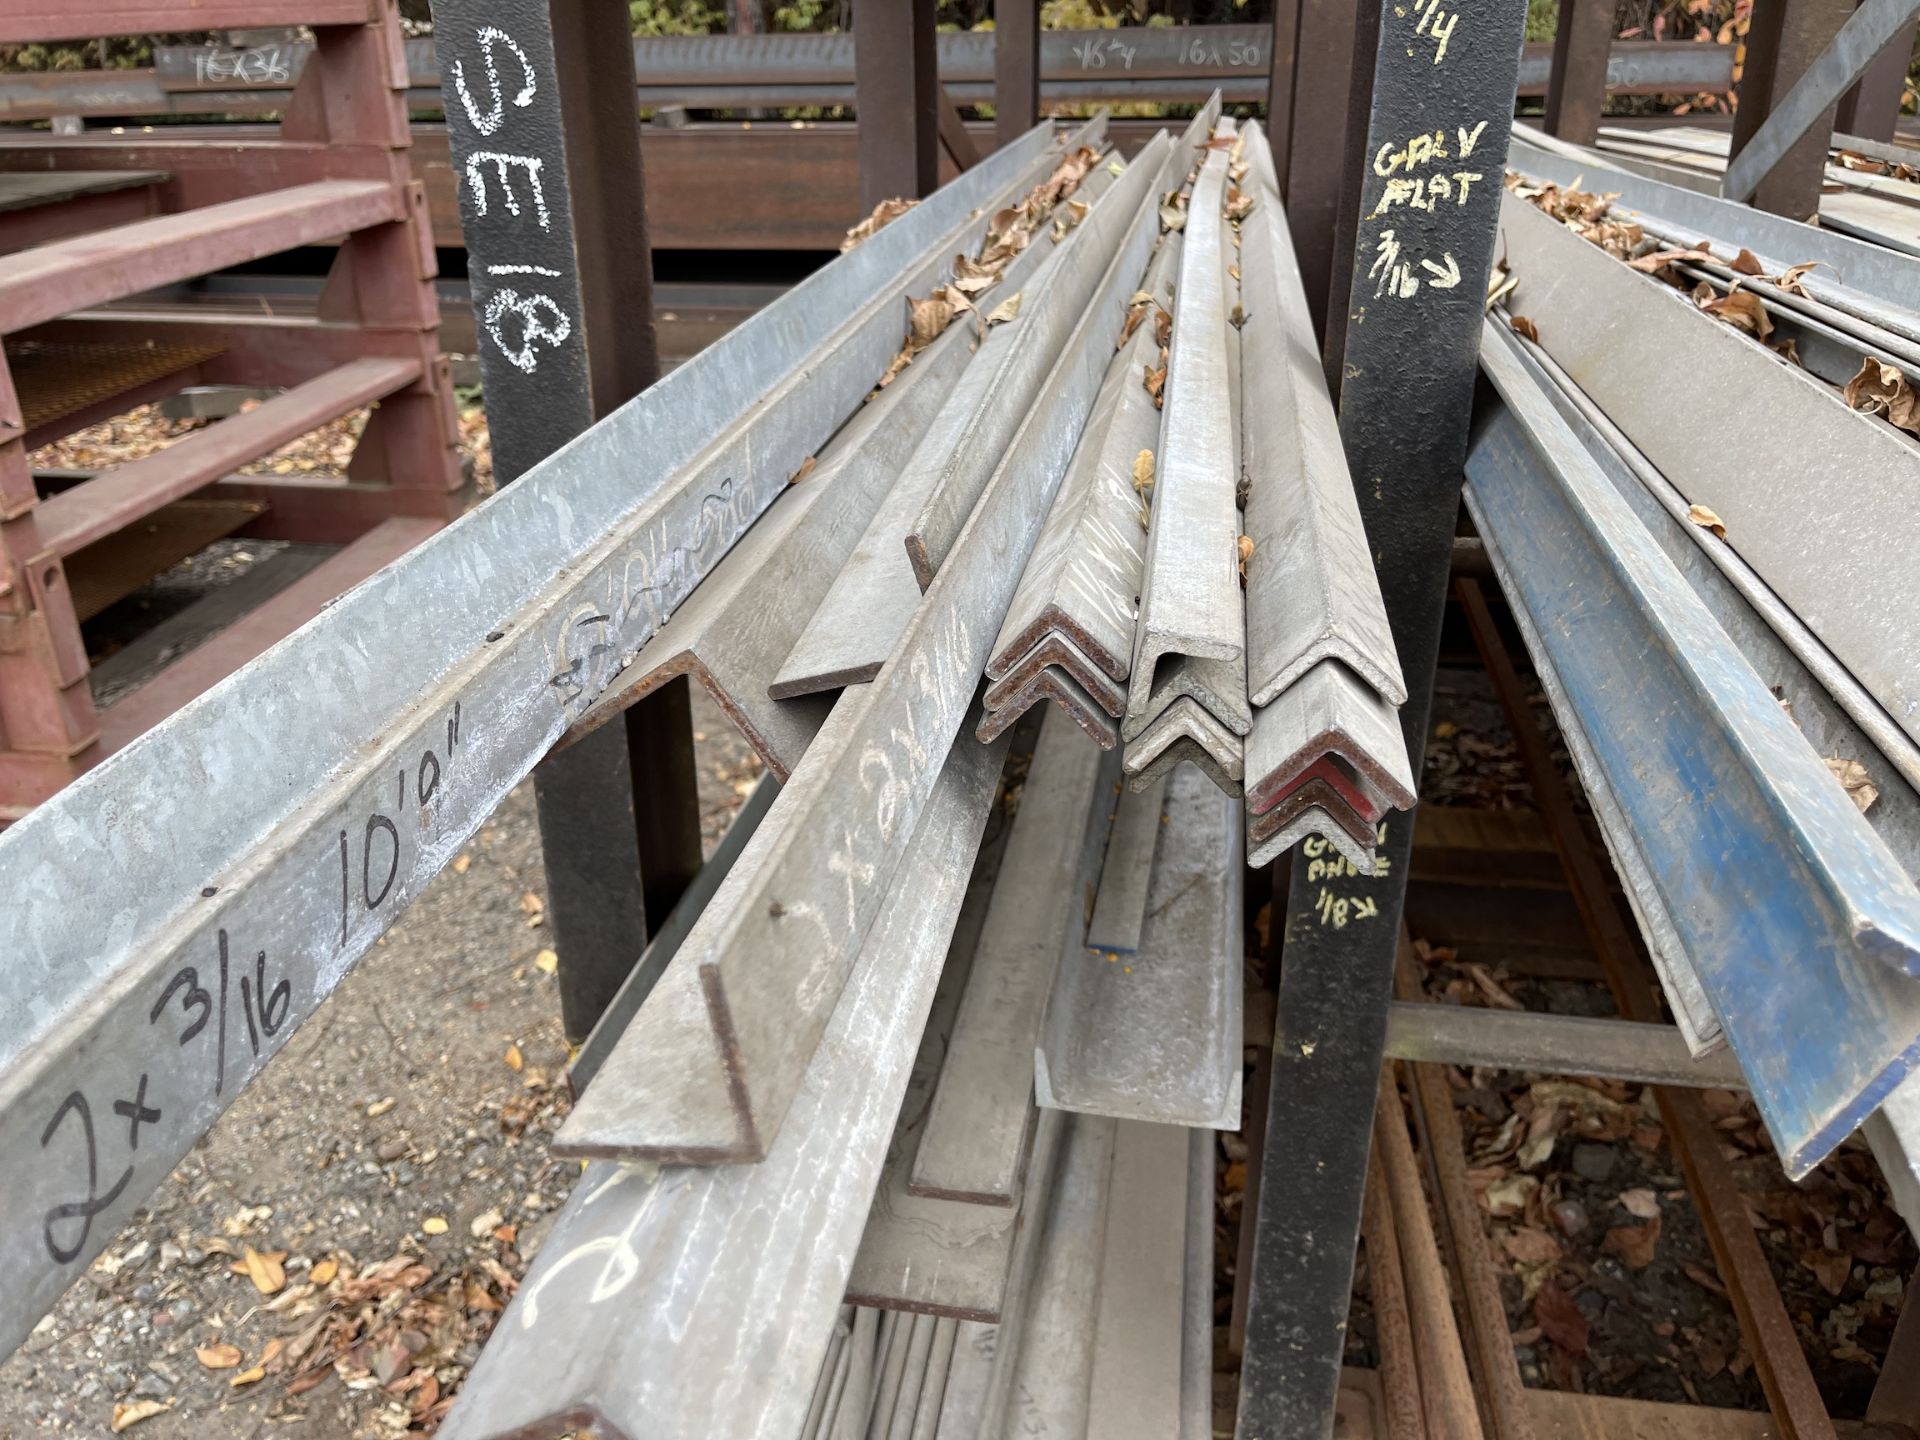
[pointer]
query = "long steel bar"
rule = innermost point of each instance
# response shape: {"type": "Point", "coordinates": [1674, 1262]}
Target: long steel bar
{"type": "Point", "coordinates": [1804, 509]}
{"type": "Point", "coordinates": [786, 1229]}
{"type": "Point", "coordinates": [1806, 954]}
{"type": "Point", "coordinates": [1328, 711]}
{"type": "Point", "coordinates": [974, 1145]}
{"type": "Point", "coordinates": [1311, 590]}
{"type": "Point", "coordinates": [1817, 91]}
{"type": "Point", "coordinates": [1387, 1292]}
{"type": "Point", "coordinates": [1561, 1044]}
{"type": "Point", "coordinates": [1186, 731]}
{"type": "Point", "coordinates": [1058, 650]}
{"type": "Point", "coordinates": [896, 85]}
{"type": "Point", "coordinates": [1577, 83]}
{"type": "Point", "coordinates": [1120, 904]}
{"type": "Point", "coordinates": [1156, 1036]}
{"type": "Point", "coordinates": [1409, 372]}
{"type": "Point", "coordinates": [1050, 682]}
{"type": "Point", "coordinates": [344, 774]}
{"type": "Point", "coordinates": [771, 968]}
{"type": "Point", "coordinates": [1196, 1324]}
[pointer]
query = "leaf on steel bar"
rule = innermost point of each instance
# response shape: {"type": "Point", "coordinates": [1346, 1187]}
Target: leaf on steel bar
{"type": "Point", "coordinates": [883, 213]}
{"type": "Point", "coordinates": [1881, 389]}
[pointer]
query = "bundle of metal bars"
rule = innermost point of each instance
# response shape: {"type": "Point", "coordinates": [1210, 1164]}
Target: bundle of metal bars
{"type": "Point", "coordinates": [1722, 613]}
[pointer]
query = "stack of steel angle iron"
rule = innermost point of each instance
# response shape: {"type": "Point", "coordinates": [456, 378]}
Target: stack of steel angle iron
{"type": "Point", "coordinates": [1202, 590]}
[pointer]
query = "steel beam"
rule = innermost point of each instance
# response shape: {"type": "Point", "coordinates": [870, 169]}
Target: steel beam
{"type": "Point", "coordinates": [345, 779]}
{"type": "Point", "coordinates": [1404, 415]}
{"type": "Point", "coordinates": [773, 964]}
{"type": "Point", "coordinates": [1577, 83]}
{"type": "Point", "coordinates": [1016, 68]}
{"type": "Point", "coordinates": [1628, 1050]}
{"type": "Point", "coordinates": [1809, 105]}
{"type": "Point", "coordinates": [896, 89]}
{"type": "Point", "coordinates": [786, 1229]}
{"type": "Point", "coordinates": [1156, 1036]}
{"type": "Point", "coordinates": [1870, 111]}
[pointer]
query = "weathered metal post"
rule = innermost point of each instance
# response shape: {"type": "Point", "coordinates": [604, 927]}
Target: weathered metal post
{"type": "Point", "coordinates": [896, 99]}
{"type": "Point", "coordinates": [1280, 62]}
{"type": "Point", "coordinates": [1315, 166]}
{"type": "Point", "coordinates": [1442, 99]}
{"type": "Point", "coordinates": [1871, 109]}
{"type": "Point", "coordinates": [1785, 37]}
{"type": "Point", "coordinates": [1577, 81]}
{"type": "Point", "coordinates": [546, 145]}
{"type": "Point", "coordinates": [1016, 68]}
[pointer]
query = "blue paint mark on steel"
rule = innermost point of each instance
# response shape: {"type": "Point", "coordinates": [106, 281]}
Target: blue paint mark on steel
{"type": "Point", "coordinates": [1801, 924]}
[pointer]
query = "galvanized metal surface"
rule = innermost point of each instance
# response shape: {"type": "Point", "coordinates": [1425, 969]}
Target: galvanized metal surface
{"type": "Point", "coordinates": [1156, 1036]}
{"type": "Point", "coordinates": [871, 599]}
{"type": "Point", "coordinates": [1186, 732]}
{"type": "Point", "coordinates": [1050, 682]}
{"type": "Point", "coordinates": [974, 1145]}
{"type": "Point", "coordinates": [1319, 794]}
{"type": "Point", "coordinates": [771, 1243]}
{"type": "Point", "coordinates": [1328, 845]}
{"type": "Point", "coordinates": [727, 634]}
{"type": "Point", "coordinates": [1196, 1326]}
{"type": "Point", "coordinates": [1120, 904]}
{"type": "Point", "coordinates": [1058, 649]}
{"type": "Point", "coordinates": [1818, 510]}
{"type": "Point", "coordinates": [1190, 599]}
{"type": "Point", "coordinates": [1311, 592]}
{"type": "Point", "coordinates": [772, 964]}
{"type": "Point", "coordinates": [350, 763]}
{"type": "Point", "coordinates": [1805, 950]}
{"type": "Point", "coordinates": [1328, 711]}
{"type": "Point", "coordinates": [1817, 91]}
{"type": "Point", "coordinates": [1572, 1044]}
{"type": "Point", "coordinates": [1218, 686]}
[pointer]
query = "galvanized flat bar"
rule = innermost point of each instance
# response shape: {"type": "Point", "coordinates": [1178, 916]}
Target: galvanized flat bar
{"type": "Point", "coordinates": [1028, 347]}
{"type": "Point", "coordinates": [1053, 1371]}
{"type": "Point", "coordinates": [1311, 590]}
{"type": "Point", "coordinates": [1083, 579]}
{"type": "Point", "coordinates": [1320, 836]}
{"type": "Point", "coordinates": [925, 1421]}
{"type": "Point", "coordinates": [771, 966]}
{"type": "Point", "coordinates": [1059, 648]}
{"type": "Point", "coordinates": [598, 1333]}
{"type": "Point", "coordinates": [1559, 1044]}
{"type": "Point", "coordinates": [1135, 1388]}
{"type": "Point", "coordinates": [1329, 710]}
{"type": "Point", "coordinates": [1190, 603]}
{"type": "Point", "coordinates": [344, 773]}
{"type": "Point", "coordinates": [1819, 510]}
{"type": "Point", "coordinates": [969, 1376]}
{"type": "Point", "coordinates": [1120, 904]}
{"type": "Point", "coordinates": [1314, 793]}
{"type": "Point", "coordinates": [1806, 944]}
{"type": "Point", "coordinates": [1157, 1036]}
{"type": "Point", "coordinates": [1196, 1321]}
{"type": "Point", "coordinates": [869, 602]}
{"type": "Point", "coordinates": [975, 1142]}
{"type": "Point", "coordinates": [1186, 730]}
{"type": "Point", "coordinates": [1819, 88]}
{"type": "Point", "coordinates": [728, 634]}
{"type": "Point", "coordinates": [896, 1423]}
{"type": "Point", "coordinates": [1050, 682]}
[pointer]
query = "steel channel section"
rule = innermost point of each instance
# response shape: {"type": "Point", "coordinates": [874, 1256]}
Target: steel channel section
{"type": "Point", "coordinates": [1640, 1053]}
{"type": "Point", "coordinates": [602, 1332]}
{"type": "Point", "coordinates": [772, 967]}
{"type": "Point", "coordinates": [963, 457]}
{"type": "Point", "coordinates": [1819, 88]}
{"type": "Point", "coordinates": [1190, 601]}
{"type": "Point", "coordinates": [856, 624]}
{"type": "Point", "coordinates": [977, 1129]}
{"type": "Point", "coordinates": [1799, 921]}
{"type": "Point", "coordinates": [1819, 509]}
{"type": "Point", "coordinates": [727, 634]}
{"type": "Point", "coordinates": [1405, 405]}
{"type": "Point", "coordinates": [1120, 902]}
{"type": "Point", "coordinates": [1857, 277]}
{"type": "Point", "coordinates": [1050, 682]}
{"type": "Point", "coordinates": [1156, 1036]}
{"type": "Point", "coordinates": [1084, 576]}
{"type": "Point", "coordinates": [351, 762]}
{"type": "Point", "coordinates": [1311, 593]}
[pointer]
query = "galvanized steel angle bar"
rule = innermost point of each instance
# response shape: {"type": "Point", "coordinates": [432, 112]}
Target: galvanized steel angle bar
{"type": "Point", "coordinates": [1186, 723]}
{"type": "Point", "coordinates": [1058, 650]}
{"type": "Point", "coordinates": [1329, 710]}
{"type": "Point", "coordinates": [773, 966]}
{"type": "Point", "coordinates": [600, 1332]}
{"type": "Point", "coordinates": [283, 819]}
{"type": "Point", "coordinates": [1804, 928]}
{"type": "Point", "coordinates": [1050, 682]}
{"type": "Point", "coordinates": [1310, 825]}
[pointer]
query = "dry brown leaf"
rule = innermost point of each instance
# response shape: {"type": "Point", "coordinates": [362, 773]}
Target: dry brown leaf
{"type": "Point", "coordinates": [1634, 1244]}
{"type": "Point", "coordinates": [1829, 1269]}
{"type": "Point", "coordinates": [1789, 279]}
{"type": "Point", "coordinates": [461, 862]}
{"type": "Point", "coordinates": [1702, 1277]}
{"type": "Point", "coordinates": [1529, 1246]}
{"type": "Point", "coordinates": [269, 1276]}
{"type": "Point", "coordinates": [324, 1271]}
{"type": "Point", "coordinates": [1641, 1204]}
{"type": "Point", "coordinates": [1525, 328]}
{"type": "Point", "coordinates": [1853, 779]}
{"type": "Point", "coordinates": [1143, 472]}
{"type": "Point", "coordinates": [806, 469]}
{"type": "Point", "coordinates": [516, 1062]}
{"type": "Point", "coordinates": [883, 214]}
{"type": "Point", "coordinates": [1006, 311]}
{"type": "Point", "coordinates": [926, 319]}
{"type": "Point", "coordinates": [219, 1356]}
{"type": "Point", "coordinates": [547, 962]}
{"type": "Point", "coordinates": [895, 366]}
{"type": "Point", "coordinates": [1156, 381]}
{"type": "Point", "coordinates": [1246, 554]}
{"type": "Point", "coordinates": [1560, 1320]}
{"type": "Point", "coordinates": [248, 1377]}
{"type": "Point", "coordinates": [1659, 259]}
{"type": "Point", "coordinates": [1238, 208]}
{"type": "Point", "coordinates": [1881, 389]}
{"type": "Point", "coordinates": [1742, 310]}
{"type": "Point", "coordinates": [135, 1411]}
{"type": "Point", "coordinates": [1787, 350]}
{"type": "Point", "coordinates": [1163, 328]}
{"type": "Point", "coordinates": [1747, 263]}
{"type": "Point", "coordinates": [1703, 517]}
{"type": "Point", "coordinates": [1495, 992]}
{"type": "Point", "coordinates": [1172, 217]}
